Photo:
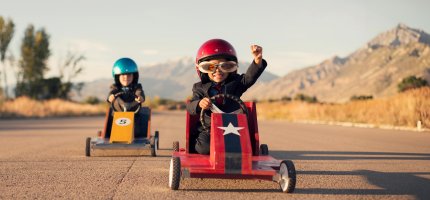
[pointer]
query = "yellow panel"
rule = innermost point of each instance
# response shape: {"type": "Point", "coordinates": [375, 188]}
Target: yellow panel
{"type": "Point", "coordinates": [122, 128]}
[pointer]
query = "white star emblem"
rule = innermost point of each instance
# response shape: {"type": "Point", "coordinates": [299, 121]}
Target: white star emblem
{"type": "Point", "coordinates": [231, 129]}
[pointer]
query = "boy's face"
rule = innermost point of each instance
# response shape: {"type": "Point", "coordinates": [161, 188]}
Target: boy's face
{"type": "Point", "coordinates": [218, 76]}
{"type": "Point", "coordinates": [125, 79]}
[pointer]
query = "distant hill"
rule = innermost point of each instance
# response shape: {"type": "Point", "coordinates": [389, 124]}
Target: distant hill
{"type": "Point", "coordinates": [375, 69]}
{"type": "Point", "coordinates": [172, 79]}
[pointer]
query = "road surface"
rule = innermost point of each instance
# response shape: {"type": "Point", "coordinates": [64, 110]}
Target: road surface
{"type": "Point", "coordinates": [44, 159]}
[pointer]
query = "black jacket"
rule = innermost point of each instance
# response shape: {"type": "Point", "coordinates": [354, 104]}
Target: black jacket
{"type": "Point", "coordinates": [133, 91]}
{"type": "Point", "coordinates": [235, 84]}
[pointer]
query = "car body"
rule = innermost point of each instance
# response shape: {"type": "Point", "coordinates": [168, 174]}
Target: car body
{"type": "Point", "coordinates": [125, 131]}
{"type": "Point", "coordinates": [235, 153]}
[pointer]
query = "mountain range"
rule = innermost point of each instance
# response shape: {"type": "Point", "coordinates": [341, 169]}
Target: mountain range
{"type": "Point", "coordinates": [374, 69]}
{"type": "Point", "coordinates": [172, 79]}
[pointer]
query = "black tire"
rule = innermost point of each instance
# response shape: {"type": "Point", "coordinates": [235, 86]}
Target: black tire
{"type": "Point", "coordinates": [288, 176]}
{"type": "Point", "coordinates": [88, 147]}
{"type": "Point", "coordinates": [264, 149]}
{"type": "Point", "coordinates": [176, 146]}
{"type": "Point", "coordinates": [157, 136]}
{"type": "Point", "coordinates": [174, 173]}
{"type": "Point", "coordinates": [154, 145]}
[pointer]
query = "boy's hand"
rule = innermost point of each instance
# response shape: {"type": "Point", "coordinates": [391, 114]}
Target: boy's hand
{"type": "Point", "coordinates": [257, 52]}
{"type": "Point", "coordinates": [111, 98]}
{"type": "Point", "coordinates": [205, 103]}
{"type": "Point", "coordinates": [139, 99]}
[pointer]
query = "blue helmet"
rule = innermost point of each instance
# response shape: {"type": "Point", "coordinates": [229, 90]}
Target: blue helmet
{"type": "Point", "coordinates": [124, 66]}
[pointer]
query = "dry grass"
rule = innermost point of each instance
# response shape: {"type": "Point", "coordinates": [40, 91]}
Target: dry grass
{"type": "Point", "coordinates": [404, 109]}
{"type": "Point", "coordinates": [26, 107]}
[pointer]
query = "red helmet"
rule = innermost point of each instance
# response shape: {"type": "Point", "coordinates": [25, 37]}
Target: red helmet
{"type": "Point", "coordinates": [216, 48]}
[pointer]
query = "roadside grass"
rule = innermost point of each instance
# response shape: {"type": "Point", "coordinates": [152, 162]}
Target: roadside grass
{"type": "Point", "coordinates": [24, 107]}
{"type": "Point", "coordinates": [404, 109]}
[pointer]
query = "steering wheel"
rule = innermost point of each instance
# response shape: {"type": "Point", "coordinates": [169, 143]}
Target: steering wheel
{"type": "Point", "coordinates": [228, 96]}
{"type": "Point", "coordinates": [118, 105]}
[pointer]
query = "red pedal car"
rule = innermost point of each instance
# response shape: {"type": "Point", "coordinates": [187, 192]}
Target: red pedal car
{"type": "Point", "coordinates": [235, 152]}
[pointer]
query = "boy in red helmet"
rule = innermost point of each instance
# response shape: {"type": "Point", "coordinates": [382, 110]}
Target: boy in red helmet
{"type": "Point", "coordinates": [216, 64]}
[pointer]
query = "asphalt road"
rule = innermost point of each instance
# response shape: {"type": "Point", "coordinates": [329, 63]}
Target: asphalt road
{"type": "Point", "coordinates": [44, 159]}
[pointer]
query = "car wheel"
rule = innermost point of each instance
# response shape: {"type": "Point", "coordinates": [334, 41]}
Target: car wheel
{"type": "Point", "coordinates": [176, 146]}
{"type": "Point", "coordinates": [154, 145]}
{"type": "Point", "coordinates": [88, 147]}
{"type": "Point", "coordinates": [174, 173]}
{"type": "Point", "coordinates": [157, 136]}
{"type": "Point", "coordinates": [264, 149]}
{"type": "Point", "coordinates": [287, 171]}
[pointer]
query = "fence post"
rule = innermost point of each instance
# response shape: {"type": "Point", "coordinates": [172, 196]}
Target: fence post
{"type": "Point", "coordinates": [419, 126]}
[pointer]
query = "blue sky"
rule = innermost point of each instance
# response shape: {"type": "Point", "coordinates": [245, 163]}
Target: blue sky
{"type": "Point", "coordinates": [293, 34]}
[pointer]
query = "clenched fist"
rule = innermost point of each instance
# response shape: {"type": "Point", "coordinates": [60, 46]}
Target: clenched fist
{"type": "Point", "coordinates": [257, 52]}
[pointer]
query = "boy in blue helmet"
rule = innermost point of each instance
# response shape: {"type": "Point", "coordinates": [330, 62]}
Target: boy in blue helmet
{"type": "Point", "coordinates": [126, 76]}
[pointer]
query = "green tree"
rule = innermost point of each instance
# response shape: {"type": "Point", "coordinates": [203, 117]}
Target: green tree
{"type": "Point", "coordinates": [69, 70]}
{"type": "Point", "coordinates": [7, 30]}
{"type": "Point", "coordinates": [34, 54]}
{"type": "Point", "coordinates": [411, 82]}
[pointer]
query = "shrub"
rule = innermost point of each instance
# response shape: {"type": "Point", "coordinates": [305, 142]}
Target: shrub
{"type": "Point", "coordinates": [361, 97]}
{"type": "Point", "coordinates": [92, 100]}
{"type": "Point", "coordinates": [411, 82]}
{"type": "Point", "coordinates": [286, 98]}
{"type": "Point", "coordinates": [305, 98]}
{"type": "Point", "coordinates": [271, 100]}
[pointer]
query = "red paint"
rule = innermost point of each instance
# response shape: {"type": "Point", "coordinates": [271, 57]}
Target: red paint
{"type": "Point", "coordinates": [212, 166]}
{"type": "Point", "coordinates": [217, 155]}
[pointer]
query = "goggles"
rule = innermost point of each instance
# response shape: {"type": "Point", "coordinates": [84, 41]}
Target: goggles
{"type": "Point", "coordinates": [210, 67]}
